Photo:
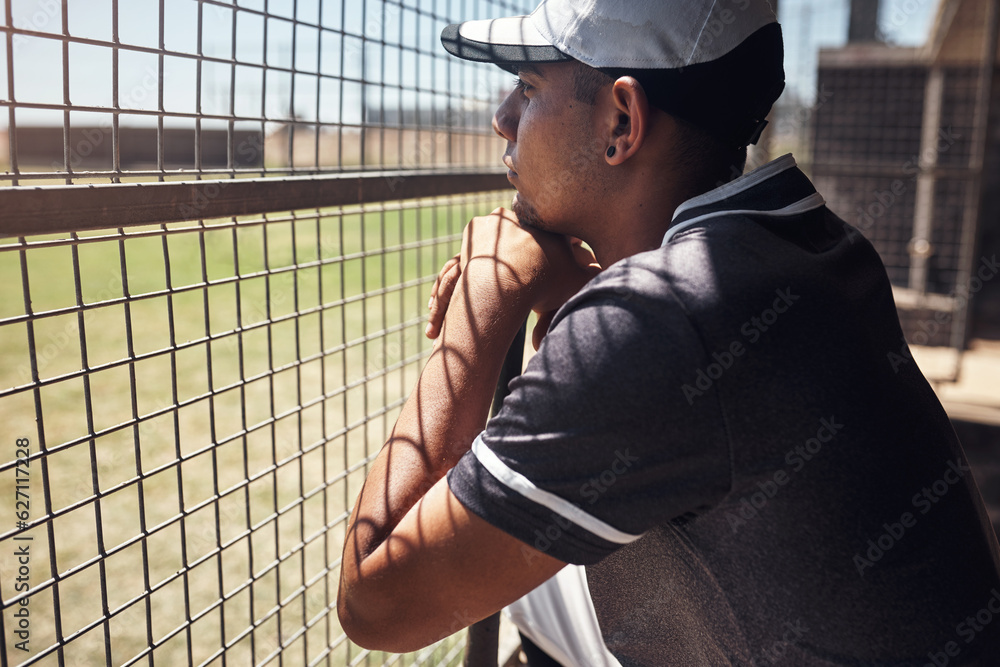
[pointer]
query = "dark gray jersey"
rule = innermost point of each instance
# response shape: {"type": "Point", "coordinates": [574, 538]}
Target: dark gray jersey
{"type": "Point", "coordinates": [729, 433]}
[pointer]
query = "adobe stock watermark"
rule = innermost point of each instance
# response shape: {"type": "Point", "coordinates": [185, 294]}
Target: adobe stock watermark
{"type": "Point", "coordinates": [460, 619]}
{"type": "Point", "coordinates": [751, 330]}
{"type": "Point", "coordinates": [967, 630]}
{"type": "Point", "coordinates": [895, 17]}
{"type": "Point", "coordinates": [38, 20]}
{"type": "Point", "coordinates": [254, 315]}
{"type": "Point", "coordinates": [250, 150]}
{"type": "Point", "coordinates": [425, 151]}
{"type": "Point", "coordinates": [657, 601]}
{"type": "Point", "coordinates": [592, 490]}
{"type": "Point", "coordinates": [393, 352]}
{"type": "Point", "coordinates": [374, 29]}
{"type": "Point", "coordinates": [792, 122]}
{"type": "Point", "coordinates": [92, 137]}
{"type": "Point", "coordinates": [785, 123]}
{"type": "Point", "coordinates": [22, 550]}
{"type": "Point", "coordinates": [923, 501]}
{"type": "Point", "coordinates": [986, 271]}
{"type": "Point", "coordinates": [773, 654]}
{"type": "Point", "coordinates": [721, 21]}
{"type": "Point", "coordinates": [884, 200]}
{"type": "Point", "coordinates": [438, 142]}
{"type": "Point", "coordinates": [52, 347]}
{"type": "Point", "coordinates": [795, 459]}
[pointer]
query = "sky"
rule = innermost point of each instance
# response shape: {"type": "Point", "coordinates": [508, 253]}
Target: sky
{"type": "Point", "coordinates": [807, 24]}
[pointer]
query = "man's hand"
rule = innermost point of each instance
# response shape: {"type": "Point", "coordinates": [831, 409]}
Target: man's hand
{"type": "Point", "coordinates": [515, 263]}
{"type": "Point", "coordinates": [417, 564]}
{"type": "Point", "coordinates": [441, 293]}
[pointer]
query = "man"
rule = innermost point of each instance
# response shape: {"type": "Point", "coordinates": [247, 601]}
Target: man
{"type": "Point", "coordinates": [712, 424]}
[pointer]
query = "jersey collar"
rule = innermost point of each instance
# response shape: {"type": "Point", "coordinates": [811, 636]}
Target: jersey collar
{"type": "Point", "coordinates": [776, 189]}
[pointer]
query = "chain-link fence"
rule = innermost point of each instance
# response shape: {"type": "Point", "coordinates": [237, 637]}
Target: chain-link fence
{"type": "Point", "coordinates": [894, 127]}
{"type": "Point", "coordinates": [222, 221]}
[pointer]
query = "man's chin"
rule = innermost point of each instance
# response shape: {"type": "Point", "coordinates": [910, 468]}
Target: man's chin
{"type": "Point", "coordinates": [526, 213]}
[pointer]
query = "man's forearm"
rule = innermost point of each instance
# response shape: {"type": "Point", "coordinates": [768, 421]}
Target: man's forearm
{"type": "Point", "coordinates": [443, 414]}
{"type": "Point", "coordinates": [403, 543]}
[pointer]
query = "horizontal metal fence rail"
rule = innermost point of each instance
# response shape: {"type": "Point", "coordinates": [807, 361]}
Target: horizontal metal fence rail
{"type": "Point", "coordinates": [50, 209]}
{"type": "Point", "coordinates": [219, 224]}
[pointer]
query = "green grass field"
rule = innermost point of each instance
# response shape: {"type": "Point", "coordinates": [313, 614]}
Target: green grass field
{"type": "Point", "coordinates": [267, 360]}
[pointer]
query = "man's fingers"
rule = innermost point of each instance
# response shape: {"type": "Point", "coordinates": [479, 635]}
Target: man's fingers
{"type": "Point", "coordinates": [541, 328]}
{"type": "Point", "coordinates": [441, 293]}
{"type": "Point", "coordinates": [584, 256]}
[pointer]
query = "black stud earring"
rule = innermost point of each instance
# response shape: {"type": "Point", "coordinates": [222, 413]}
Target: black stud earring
{"type": "Point", "coordinates": [611, 151]}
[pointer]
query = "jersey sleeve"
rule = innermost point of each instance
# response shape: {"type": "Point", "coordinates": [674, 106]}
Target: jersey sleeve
{"type": "Point", "coordinates": [601, 438]}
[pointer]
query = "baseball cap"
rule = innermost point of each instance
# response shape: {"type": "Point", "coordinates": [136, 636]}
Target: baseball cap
{"type": "Point", "coordinates": [714, 63]}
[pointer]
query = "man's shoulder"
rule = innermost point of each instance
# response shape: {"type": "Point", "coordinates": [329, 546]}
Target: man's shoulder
{"type": "Point", "coordinates": [642, 284]}
{"type": "Point", "coordinates": [691, 263]}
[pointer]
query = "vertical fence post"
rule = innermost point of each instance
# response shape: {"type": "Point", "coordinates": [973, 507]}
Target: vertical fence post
{"type": "Point", "coordinates": [484, 637]}
{"type": "Point", "coordinates": [971, 222]}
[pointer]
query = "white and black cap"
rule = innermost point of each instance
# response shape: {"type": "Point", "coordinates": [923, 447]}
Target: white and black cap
{"type": "Point", "coordinates": [715, 63]}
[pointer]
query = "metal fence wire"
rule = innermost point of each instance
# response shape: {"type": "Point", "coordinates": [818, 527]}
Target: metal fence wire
{"type": "Point", "coordinates": [220, 223]}
{"type": "Point", "coordinates": [901, 148]}
{"type": "Point", "coordinates": [149, 89]}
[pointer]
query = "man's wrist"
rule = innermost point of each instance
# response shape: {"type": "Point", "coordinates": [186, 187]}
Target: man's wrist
{"type": "Point", "coordinates": [498, 299]}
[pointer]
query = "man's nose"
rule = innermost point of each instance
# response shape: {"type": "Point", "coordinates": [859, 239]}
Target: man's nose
{"type": "Point", "coordinates": [506, 118]}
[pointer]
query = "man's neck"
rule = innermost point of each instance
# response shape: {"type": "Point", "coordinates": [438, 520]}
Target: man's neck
{"type": "Point", "coordinates": [637, 221]}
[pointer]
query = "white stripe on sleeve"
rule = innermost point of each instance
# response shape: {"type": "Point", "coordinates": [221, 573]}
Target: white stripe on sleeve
{"type": "Point", "coordinates": [522, 485]}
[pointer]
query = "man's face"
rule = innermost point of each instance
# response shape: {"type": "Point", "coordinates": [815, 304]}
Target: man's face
{"type": "Point", "coordinates": [553, 155]}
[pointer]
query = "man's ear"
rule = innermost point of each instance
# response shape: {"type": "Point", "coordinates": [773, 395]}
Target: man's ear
{"type": "Point", "coordinates": [630, 120]}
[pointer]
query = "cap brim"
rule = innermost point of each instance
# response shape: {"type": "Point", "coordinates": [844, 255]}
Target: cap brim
{"type": "Point", "coordinates": [506, 42]}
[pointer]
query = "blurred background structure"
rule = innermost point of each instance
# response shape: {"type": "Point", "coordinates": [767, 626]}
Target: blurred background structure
{"type": "Point", "coordinates": [219, 225]}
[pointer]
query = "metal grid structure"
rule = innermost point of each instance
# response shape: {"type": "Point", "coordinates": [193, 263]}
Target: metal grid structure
{"type": "Point", "coordinates": [899, 149]}
{"type": "Point", "coordinates": [219, 222]}
{"type": "Point", "coordinates": [151, 89]}
{"type": "Point", "coordinates": [211, 309]}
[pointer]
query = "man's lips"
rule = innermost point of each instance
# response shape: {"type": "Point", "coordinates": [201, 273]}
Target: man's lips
{"type": "Point", "coordinates": [510, 167]}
